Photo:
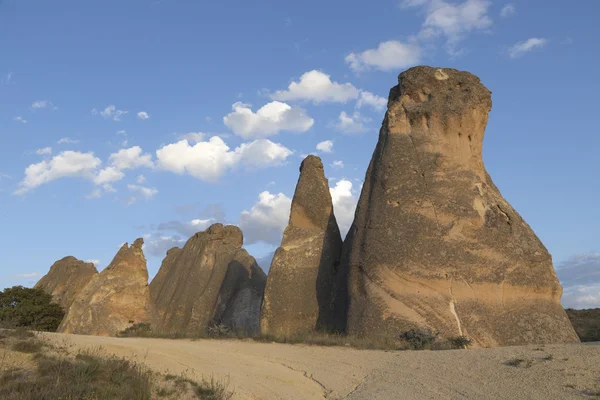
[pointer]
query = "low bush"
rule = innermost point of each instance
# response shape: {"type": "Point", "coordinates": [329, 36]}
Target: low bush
{"type": "Point", "coordinates": [29, 308]}
{"type": "Point", "coordinates": [141, 329]}
{"type": "Point", "coordinates": [420, 339]}
{"type": "Point", "coordinates": [28, 346]}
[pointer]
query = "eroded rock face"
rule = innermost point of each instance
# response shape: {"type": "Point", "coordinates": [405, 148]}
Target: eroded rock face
{"type": "Point", "coordinates": [190, 279]}
{"type": "Point", "coordinates": [66, 278]}
{"type": "Point", "coordinates": [299, 285]}
{"type": "Point", "coordinates": [240, 298]}
{"type": "Point", "coordinates": [434, 244]}
{"type": "Point", "coordinates": [114, 299]}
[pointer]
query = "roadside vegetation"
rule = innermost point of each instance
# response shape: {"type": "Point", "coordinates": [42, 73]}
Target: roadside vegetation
{"type": "Point", "coordinates": [32, 368]}
{"type": "Point", "coordinates": [22, 307]}
{"type": "Point", "coordinates": [416, 339]}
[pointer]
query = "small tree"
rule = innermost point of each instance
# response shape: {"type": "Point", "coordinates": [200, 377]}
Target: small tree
{"type": "Point", "coordinates": [29, 308]}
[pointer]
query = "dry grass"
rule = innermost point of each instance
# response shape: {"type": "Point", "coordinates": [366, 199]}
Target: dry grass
{"type": "Point", "coordinates": [54, 373]}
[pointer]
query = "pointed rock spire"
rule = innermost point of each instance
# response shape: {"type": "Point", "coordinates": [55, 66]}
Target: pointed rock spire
{"type": "Point", "coordinates": [434, 244]}
{"type": "Point", "coordinates": [115, 299]}
{"type": "Point", "coordinates": [300, 281]}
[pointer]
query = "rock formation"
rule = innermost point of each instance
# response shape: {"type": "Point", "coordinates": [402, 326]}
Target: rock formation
{"type": "Point", "coordinates": [298, 293]}
{"type": "Point", "coordinates": [434, 244]}
{"type": "Point", "coordinates": [115, 299]}
{"type": "Point", "coordinates": [66, 278]}
{"type": "Point", "coordinates": [211, 279]}
{"type": "Point", "coordinates": [240, 298]}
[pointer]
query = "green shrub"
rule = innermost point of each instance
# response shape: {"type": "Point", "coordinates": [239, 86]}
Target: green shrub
{"type": "Point", "coordinates": [29, 308]}
{"type": "Point", "coordinates": [420, 339]}
{"type": "Point", "coordinates": [140, 329]}
{"type": "Point", "coordinates": [460, 342]}
{"type": "Point", "coordinates": [28, 346]}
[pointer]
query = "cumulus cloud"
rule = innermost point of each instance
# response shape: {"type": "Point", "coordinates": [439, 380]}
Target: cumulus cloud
{"type": "Point", "coordinates": [267, 219]}
{"type": "Point", "coordinates": [110, 112]}
{"type": "Point", "coordinates": [95, 262]}
{"type": "Point", "coordinates": [354, 123]}
{"type": "Point", "coordinates": [44, 151]}
{"type": "Point", "coordinates": [325, 146]}
{"type": "Point", "coordinates": [344, 204]}
{"type": "Point", "coordinates": [390, 55]}
{"type": "Point", "coordinates": [140, 192]}
{"type": "Point", "coordinates": [520, 48]}
{"type": "Point", "coordinates": [371, 100]}
{"type": "Point", "coordinates": [209, 160]}
{"type": "Point", "coordinates": [143, 115]}
{"type": "Point", "coordinates": [317, 87]}
{"type": "Point", "coordinates": [157, 245]}
{"type": "Point", "coordinates": [65, 164]}
{"type": "Point", "coordinates": [20, 119]}
{"type": "Point", "coordinates": [67, 140]}
{"type": "Point", "coordinates": [580, 278]}
{"type": "Point", "coordinates": [186, 229]}
{"type": "Point", "coordinates": [508, 10]}
{"type": "Point", "coordinates": [452, 20]}
{"type": "Point", "coordinates": [122, 160]}
{"type": "Point", "coordinates": [193, 137]}
{"type": "Point", "coordinates": [42, 104]}
{"type": "Point", "coordinates": [140, 179]}
{"type": "Point", "coordinates": [269, 120]}
{"type": "Point", "coordinates": [337, 164]}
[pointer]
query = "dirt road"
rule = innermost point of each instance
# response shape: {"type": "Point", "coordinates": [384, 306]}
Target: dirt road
{"type": "Point", "coordinates": [276, 371]}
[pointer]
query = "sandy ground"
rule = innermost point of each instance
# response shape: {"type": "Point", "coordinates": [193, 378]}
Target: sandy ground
{"type": "Point", "coordinates": [276, 371]}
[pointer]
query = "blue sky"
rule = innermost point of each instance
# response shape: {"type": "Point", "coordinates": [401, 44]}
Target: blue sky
{"type": "Point", "coordinates": [156, 118]}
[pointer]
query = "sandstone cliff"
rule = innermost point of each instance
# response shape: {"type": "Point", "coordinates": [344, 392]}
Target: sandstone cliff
{"type": "Point", "coordinates": [66, 278]}
{"type": "Point", "coordinates": [434, 244]}
{"type": "Point", "coordinates": [115, 299]}
{"type": "Point", "coordinates": [300, 281]}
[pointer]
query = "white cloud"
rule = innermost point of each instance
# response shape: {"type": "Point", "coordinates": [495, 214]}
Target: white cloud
{"type": "Point", "coordinates": [337, 164]}
{"type": "Point", "coordinates": [140, 179]}
{"type": "Point", "coordinates": [508, 10]}
{"type": "Point", "coordinates": [267, 219]}
{"type": "Point", "coordinates": [95, 262]}
{"type": "Point", "coordinates": [42, 104]}
{"type": "Point", "coordinates": [354, 123]}
{"type": "Point", "coordinates": [143, 115]}
{"type": "Point", "coordinates": [67, 140]}
{"type": "Point", "coordinates": [20, 119]}
{"type": "Point", "coordinates": [325, 146]}
{"type": "Point", "coordinates": [65, 164]}
{"type": "Point", "coordinates": [6, 79]}
{"type": "Point", "coordinates": [211, 159]}
{"type": "Point", "coordinates": [317, 87]}
{"type": "Point", "coordinates": [186, 229]}
{"type": "Point", "coordinates": [131, 158]}
{"type": "Point", "coordinates": [193, 137]}
{"type": "Point", "coordinates": [44, 152]}
{"type": "Point", "coordinates": [344, 204]}
{"type": "Point", "coordinates": [122, 160]}
{"type": "Point", "coordinates": [371, 100]}
{"type": "Point", "coordinates": [267, 121]}
{"type": "Point", "coordinates": [158, 246]}
{"type": "Point", "coordinates": [108, 175]}
{"type": "Point", "coordinates": [110, 112]}
{"type": "Point", "coordinates": [452, 20]}
{"type": "Point", "coordinates": [122, 132]}
{"type": "Point", "coordinates": [580, 278]}
{"type": "Point", "coordinates": [140, 192]}
{"type": "Point", "coordinates": [390, 55]}
{"type": "Point", "coordinates": [526, 46]}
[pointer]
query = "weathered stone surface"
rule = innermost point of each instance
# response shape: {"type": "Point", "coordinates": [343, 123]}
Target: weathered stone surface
{"type": "Point", "coordinates": [190, 279]}
{"type": "Point", "coordinates": [66, 278]}
{"type": "Point", "coordinates": [298, 293]}
{"type": "Point", "coordinates": [240, 298]}
{"type": "Point", "coordinates": [114, 299]}
{"type": "Point", "coordinates": [434, 244]}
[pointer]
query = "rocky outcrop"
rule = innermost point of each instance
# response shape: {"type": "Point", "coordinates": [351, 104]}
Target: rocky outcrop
{"type": "Point", "coordinates": [115, 299]}
{"type": "Point", "coordinates": [240, 298]}
{"type": "Point", "coordinates": [66, 278]}
{"type": "Point", "coordinates": [298, 293]}
{"type": "Point", "coordinates": [211, 279]}
{"type": "Point", "coordinates": [434, 244]}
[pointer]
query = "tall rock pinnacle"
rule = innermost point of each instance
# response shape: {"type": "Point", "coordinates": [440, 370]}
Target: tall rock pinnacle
{"type": "Point", "coordinates": [115, 299]}
{"type": "Point", "coordinates": [300, 281]}
{"type": "Point", "coordinates": [434, 244]}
